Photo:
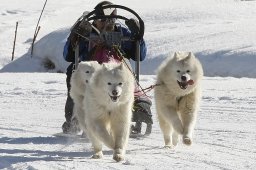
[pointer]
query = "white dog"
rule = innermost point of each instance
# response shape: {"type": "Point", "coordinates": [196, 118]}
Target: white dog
{"type": "Point", "coordinates": [79, 80]}
{"type": "Point", "coordinates": [108, 105]}
{"type": "Point", "coordinates": [177, 97]}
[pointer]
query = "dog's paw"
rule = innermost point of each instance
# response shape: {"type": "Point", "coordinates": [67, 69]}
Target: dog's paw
{"type": "Point", "coordinates": [97, 155]}
{"type": "Point", "coordinates": [118, 157]}
{"type": "Point", "coordinates": [187, 140]}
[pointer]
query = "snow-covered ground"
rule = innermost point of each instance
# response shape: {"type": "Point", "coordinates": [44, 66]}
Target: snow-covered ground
{"type": "Point", "coordinates": [220, 32]}
{"type": "Point", "coordinates": [32, 111]}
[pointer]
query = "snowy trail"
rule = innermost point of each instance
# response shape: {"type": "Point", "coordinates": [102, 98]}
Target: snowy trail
{"type": "Point", "coordinates": [32, 109]}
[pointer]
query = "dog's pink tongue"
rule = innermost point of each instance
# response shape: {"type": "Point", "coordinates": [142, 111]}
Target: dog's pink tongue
{"type": "Point", "coordinates": [190, 82]}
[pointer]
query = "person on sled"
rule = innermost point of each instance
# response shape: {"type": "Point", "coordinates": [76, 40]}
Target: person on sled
{"type": "Point", "coordinates": [88, 52]}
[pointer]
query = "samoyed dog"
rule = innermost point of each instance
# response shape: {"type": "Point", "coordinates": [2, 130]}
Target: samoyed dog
{"type": "Point", "coordinates": [79, 80]}
{"type": "Point", "coordinates": [108, 105]}
{"type": "Point", "coordinates": [177, 97]}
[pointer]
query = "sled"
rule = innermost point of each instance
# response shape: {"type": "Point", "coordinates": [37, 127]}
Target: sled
{"type": "Point", "coordinates": [111, 39]}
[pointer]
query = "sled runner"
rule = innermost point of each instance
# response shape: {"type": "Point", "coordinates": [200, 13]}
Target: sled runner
{"type": "Point", "coordinates": [71, 138]}
{"type": "Point", "coordinates": [69, 135]}
{"type": "Point", "coordinates": [110, 43]}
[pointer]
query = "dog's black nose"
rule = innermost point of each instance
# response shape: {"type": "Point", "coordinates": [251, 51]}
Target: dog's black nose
{"type": "Point", "coordinates": [183, 78]}
{"type": "Point", "coordinates": [115, 92]}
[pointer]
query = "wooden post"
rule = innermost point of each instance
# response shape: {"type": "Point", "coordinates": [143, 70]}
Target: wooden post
{"type": "Point", "coordinates": [34, 39]}
{"type": "Point", "coordinates": [37, 29]}
{"type": "Point", "coordinates": [14, 42]}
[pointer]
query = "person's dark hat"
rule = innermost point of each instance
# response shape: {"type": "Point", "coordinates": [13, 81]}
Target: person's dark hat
{"type": "Point", "coordinates": [107, 11]}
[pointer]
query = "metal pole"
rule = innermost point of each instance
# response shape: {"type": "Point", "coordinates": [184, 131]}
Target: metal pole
{"type": "Point", "coordinates": [137, 68]}
{"type": "Point", "coordinates": [76, 54]}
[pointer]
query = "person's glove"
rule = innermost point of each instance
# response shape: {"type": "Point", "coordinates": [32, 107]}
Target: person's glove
{"type": "Point", "coordinates": [134, 27]}
{"type": "Point", "coordinates": [82, 28]}
{"type": "Point", "coordinates": [73, 38]}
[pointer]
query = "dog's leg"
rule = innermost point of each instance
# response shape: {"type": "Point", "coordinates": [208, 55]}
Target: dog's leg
{"type": "Point", "coordinates": [97, 145]}
{"type": "Point", "coordinates": [103, 134]}
{"type": "Point", "coordinates": [167, 130]}
{"type": "Point", "coordinates": [121, 136]}
{"type": "Point", "coordinates": [188, 113]}
{"type": "Point", "coordinates": [188, 120]}
{"type": "Point", "coordinates": [97, 133]}
{"type": "Point", "coordinates": [169, 122]}
{"type": "Point", "coordinates": [172, 116]}
{"type": "Point", "coordinates": [120, 124]}
{"type": "Point", "coordinates": [175, 138]}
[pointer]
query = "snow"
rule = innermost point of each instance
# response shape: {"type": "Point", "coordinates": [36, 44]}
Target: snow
{"type": "Point", "coordinates": [222, 35]}
{"type": "Point", "coordinates": [220, 32]}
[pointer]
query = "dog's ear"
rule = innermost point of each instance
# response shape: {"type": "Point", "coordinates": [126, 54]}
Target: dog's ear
{"type": "Point", "coordinates": [190, 56]}
{"type": "Point", "coordinates": [175, 55]}
{"type": "Point", "coordinates": [82, 65]}
{"type": "Point", "coordinates": [95, 65]}
{"type": "Point", "coordinates": [121, 66]}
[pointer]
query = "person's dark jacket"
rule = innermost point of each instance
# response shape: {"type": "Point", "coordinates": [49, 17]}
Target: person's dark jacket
{"type": "Point", "coordinates": [128, 47]}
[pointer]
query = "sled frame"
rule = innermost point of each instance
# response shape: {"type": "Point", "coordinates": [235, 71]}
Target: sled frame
{"type": "Point", "coordinates": [91, 16]}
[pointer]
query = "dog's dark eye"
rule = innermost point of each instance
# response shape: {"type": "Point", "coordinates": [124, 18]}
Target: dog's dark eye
{"type": "Point", "coordinates": [120, 84]}
{"type": "Point", "coordinates": [87, 72]}
{"type": "Point", "coordinates": [109, 83]}
{"type": "Point", "coordinates": [178, 71]}
{"type": "Point", "coordinates": [188, 71]}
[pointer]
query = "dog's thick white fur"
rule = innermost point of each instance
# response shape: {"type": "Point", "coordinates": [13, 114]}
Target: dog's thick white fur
{"type": "Point", "coordinates": [177, 97]}
{"type": "Point", "coordinates": [108, 105]}
{"type": "Point", "coordinates": [79, 80]}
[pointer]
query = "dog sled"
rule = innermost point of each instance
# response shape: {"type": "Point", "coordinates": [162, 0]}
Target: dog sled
{"type": "Point", "coordinates": [141, 110]}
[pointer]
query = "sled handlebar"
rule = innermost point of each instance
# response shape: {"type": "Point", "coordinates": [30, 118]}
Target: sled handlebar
{"type": "Point", "coordinates": [91, 16]}
{"type": "Point", "coordinates": [99, 38]}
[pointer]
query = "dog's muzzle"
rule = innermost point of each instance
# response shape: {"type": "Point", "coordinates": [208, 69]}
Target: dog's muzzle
{"type": "Point", "coordinates": [114, 96]}
{"type": "Point", "coordinates": [184, 84]}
